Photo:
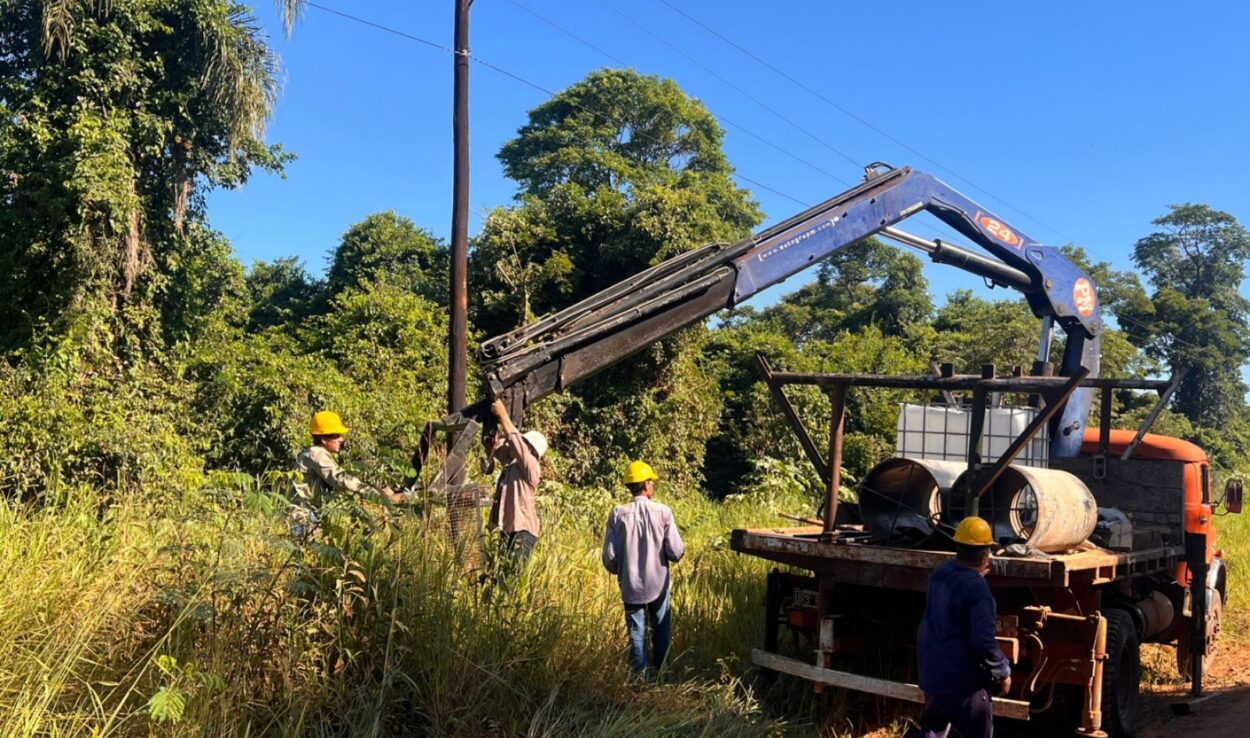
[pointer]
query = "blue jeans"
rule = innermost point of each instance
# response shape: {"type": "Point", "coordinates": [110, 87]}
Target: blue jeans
{"type": "Point", "coordinates": [659, 617]}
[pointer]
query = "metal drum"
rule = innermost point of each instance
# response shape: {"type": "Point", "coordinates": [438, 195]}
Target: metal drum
{"type": "Point", "coordinates": [900, 500]}
{"type": "Point", "coordinates": [1051, 510]}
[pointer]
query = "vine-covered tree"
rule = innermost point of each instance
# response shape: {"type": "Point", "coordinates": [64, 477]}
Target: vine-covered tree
{"type": "Point", "coordinates": [387, 247]}
{"type": "Point", "coordinates": [115, 117]}
{"type": "Point", "coordinates": [866, 284]}
{"type": "Point", "coordinates": [617, 172]}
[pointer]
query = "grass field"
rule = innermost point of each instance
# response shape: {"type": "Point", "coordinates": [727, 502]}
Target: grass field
{"type": "Point", "coordinates": [200, 617]}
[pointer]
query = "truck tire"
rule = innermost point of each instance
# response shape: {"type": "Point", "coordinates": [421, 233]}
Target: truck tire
{"type": "Point", "coordinates": [1121, 676]}
{"type": "Point", "coordinates": [1215, 614]}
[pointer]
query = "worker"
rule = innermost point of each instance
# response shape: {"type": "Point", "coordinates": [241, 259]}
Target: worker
{"type": "Point", "coordinates": [639, 545]}
{"type": "Point", "coordinates": [513, 511]}
{"type": "Point", "coordinates": [959, 660]}
{"type": "Point", "coordinates": [321, 477]}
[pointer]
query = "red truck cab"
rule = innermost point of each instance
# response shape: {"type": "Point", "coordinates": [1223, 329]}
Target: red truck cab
{"type": "Point", "coordinates": [1198, 505]}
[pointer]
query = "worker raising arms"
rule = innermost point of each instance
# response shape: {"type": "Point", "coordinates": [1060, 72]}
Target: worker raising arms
{"type": "Point", "coordinates": [513, 511]}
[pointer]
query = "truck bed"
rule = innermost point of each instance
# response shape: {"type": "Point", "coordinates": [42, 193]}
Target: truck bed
{"type": "Point", "coordinates": [871, 564]}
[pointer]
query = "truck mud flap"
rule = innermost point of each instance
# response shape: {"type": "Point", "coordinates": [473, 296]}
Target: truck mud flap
{"type": "Point", "coordinates": [1016, 709]}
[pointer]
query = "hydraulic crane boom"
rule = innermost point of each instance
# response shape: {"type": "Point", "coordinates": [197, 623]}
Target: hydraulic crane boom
{"type": "Point", "coordinates": [563, 348]}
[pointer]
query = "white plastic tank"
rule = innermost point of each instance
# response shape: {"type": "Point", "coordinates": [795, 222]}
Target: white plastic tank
{"type": "Point", "coordinates": [940, 432]}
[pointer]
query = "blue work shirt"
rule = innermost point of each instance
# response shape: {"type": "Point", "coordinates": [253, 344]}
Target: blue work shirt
{"type": "Point", "coordinates": [955, 644]}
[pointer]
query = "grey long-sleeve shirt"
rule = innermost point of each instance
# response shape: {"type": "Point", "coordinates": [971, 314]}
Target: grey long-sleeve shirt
{"type": "Point", "coordinates": [640, 542]}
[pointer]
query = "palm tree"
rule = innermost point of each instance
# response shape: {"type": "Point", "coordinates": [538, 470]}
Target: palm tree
{"type": "Point", "coordinates": [292, 11]}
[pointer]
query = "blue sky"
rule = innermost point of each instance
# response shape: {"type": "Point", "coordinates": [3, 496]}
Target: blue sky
{"type": "Point", "coordinates": [1082, 121]}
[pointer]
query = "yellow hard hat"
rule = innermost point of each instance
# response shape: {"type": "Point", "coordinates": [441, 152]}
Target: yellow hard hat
{"type": "Point", "coordinates": [326, 423]}
{"type": "Point", "coordinates": [639, 471]}
{"type": "Point", "coordinates": [974, 531]}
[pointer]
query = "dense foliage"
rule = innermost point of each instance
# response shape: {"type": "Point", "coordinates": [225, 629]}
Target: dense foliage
{"type": "Point", "coordinates": [154, 390]}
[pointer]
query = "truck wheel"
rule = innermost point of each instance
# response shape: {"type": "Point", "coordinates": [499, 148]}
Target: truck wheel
{"type": "Point", "coordinates": [1121, 676]}
{"type": "Point", "coordinates": [1184, 659]}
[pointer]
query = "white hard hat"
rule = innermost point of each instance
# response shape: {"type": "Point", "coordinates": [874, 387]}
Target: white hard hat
{"type": "Point", "coordinates": [537, 441]}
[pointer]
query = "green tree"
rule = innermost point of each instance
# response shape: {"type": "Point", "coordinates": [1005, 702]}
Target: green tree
{"type": "Point", "coordinates": [114, 119]}
{"type": "Point", "coordinates": [1196, 317]}
{"type": "Point", "coordinates": [280, 292]}
{"type": "Point", "coordinates": [386, 247]}
{"type": "Point", "coordinates": [751, 427]}
{"type": "Point", "coordinates": [971, 331]}
{"type": "Point", "coordinates": [618, 172]}
{"type": "Point", "coordinates": [866, 284]}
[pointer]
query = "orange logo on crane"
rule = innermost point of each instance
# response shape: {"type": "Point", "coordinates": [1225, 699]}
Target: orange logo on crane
{"type": "Point", "coordinates": [1083, 296]}
{"type": "Point", "coordinates": [999, 230]}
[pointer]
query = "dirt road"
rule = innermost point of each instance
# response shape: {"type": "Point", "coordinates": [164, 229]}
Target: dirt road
{"type": "Point", "coordinates": [1224, 716]}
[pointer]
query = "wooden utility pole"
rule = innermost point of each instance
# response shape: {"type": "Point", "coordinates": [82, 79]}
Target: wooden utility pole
{"type": "Point", "coordinates": [458, 339]}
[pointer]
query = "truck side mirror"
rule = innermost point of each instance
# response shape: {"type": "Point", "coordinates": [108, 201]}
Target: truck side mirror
{"type": "Point", "coordinates": [1233, 493]}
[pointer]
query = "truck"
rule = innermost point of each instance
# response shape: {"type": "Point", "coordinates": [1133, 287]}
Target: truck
{"type": "Point", "coordinates": [1071, 614]}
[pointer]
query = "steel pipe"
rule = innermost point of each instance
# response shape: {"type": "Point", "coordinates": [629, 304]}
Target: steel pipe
{"type": "Point", "coordinates": [900, 500]}
{"type": "Point", "coordinates": [1048, 509]}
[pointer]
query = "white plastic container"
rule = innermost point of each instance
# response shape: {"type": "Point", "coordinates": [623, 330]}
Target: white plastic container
{"type": "Point", "coordinates": [939, 432]}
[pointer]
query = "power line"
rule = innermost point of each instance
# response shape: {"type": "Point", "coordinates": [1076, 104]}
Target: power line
{"type": "Point", "coordinates": [570, 34]}
{"type": "Point", "coordinates": [721, 118]}
{"type": "Point", "coordinates": [550, 93]}
{"type": "Point", "coordinates": [676, 49]}
{"type": "Point", "coordinates": [853, 116]}
{"type": "Point", "coordinates": [524, 81]}
{"type": "Point", "coordinates": [622, 62]}
{"type": "Point", "coordinates": [865, 123]}
{"type": "Point", "coordinates": [926, 226]}
{"type": "Point", "coordinates": [380, 27]}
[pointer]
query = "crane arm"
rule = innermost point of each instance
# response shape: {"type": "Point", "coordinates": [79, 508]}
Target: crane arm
{"type": "Point", "coordinates": [563, 348]}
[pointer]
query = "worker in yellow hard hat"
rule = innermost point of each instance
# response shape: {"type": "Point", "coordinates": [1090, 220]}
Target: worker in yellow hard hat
{"type": "Point", "coordinates": [321, 477]}
{"type": "Point", "coordinates": [959, 659]}
{"type": "Point", "coordinates": [514, 510]}
{"type": "Point", "coordinates": [640, 543]}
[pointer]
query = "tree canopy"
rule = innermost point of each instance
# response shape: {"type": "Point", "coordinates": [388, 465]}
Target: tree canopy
{"type": "Point", "coordinates": [617, 172]}
{"type": "Point", "coordinates": [145, 351]}
{"type": "Point", "coordinates": [114, 119]}
{"type": "Point", "coordinates": [1196, 318]}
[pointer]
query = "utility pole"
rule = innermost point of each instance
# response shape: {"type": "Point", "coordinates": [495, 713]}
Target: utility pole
{"type": "Point", "coordinates": [458, 340]}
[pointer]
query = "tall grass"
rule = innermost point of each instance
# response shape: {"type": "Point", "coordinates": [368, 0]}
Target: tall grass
{"type": "Point", "coordinates": [200, 617]}
{"type": "Point", "coordinates": [1234, 539]}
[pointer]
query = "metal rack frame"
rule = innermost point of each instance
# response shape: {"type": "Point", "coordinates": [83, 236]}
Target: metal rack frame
{"type": "Point", "coordinates": [1050, 394]}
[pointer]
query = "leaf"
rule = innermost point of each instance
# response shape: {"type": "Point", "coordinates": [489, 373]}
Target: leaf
{"type": "Point", "coordinates": [167, 705]}
{"type": "Point", "coordinates": [167, 664]}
